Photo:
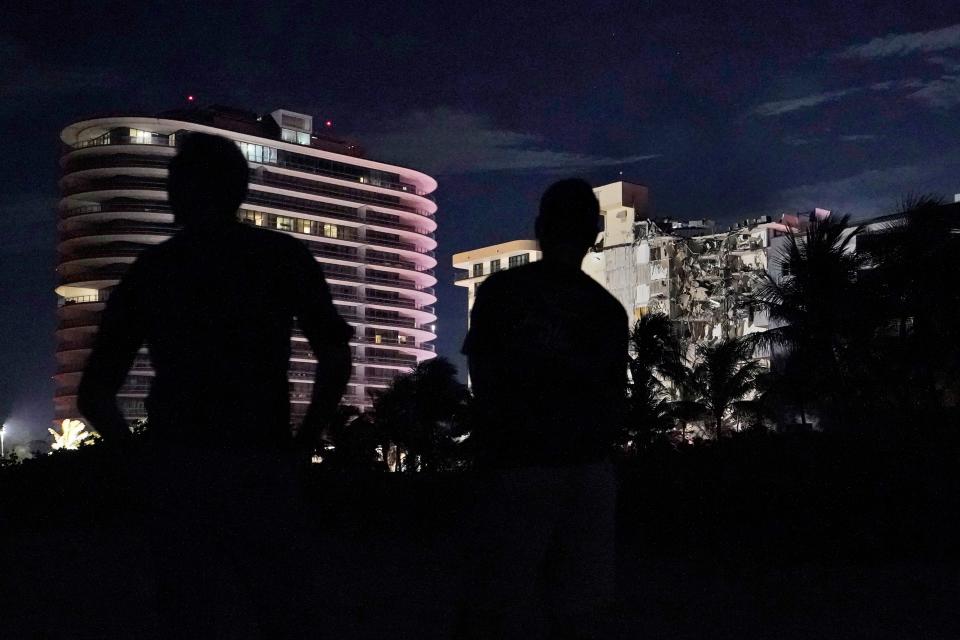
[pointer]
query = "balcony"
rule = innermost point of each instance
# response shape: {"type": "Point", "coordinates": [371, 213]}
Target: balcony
{"type": "Point", "coordinates": [289, 203]}
{"type": "Point", "coordinates": [373, 198]}
{"type": "Point", "coordinates": [288, 163]}
{"type": "Point", "coordinates": [66, 302]}
{"type": "Point", "coordinates": [110, 140]}
{"type": "Point", "coordinates": [114, 183]}
{"type": "Point", "coordinates": [110, 272]}
{"type": "Point", "coordinates": [120, 227]}
{"type": "Point", "coordinates": [396, 262]}
{"type": "Point", "coordinates": [119, 207]}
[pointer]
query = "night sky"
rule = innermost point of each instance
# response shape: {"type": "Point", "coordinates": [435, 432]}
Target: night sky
{"type": "Point", "coordinates": [725, 110]}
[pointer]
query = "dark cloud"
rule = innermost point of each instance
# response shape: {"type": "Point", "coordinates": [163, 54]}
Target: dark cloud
{"type": "Point", "coordinates": [446, 141]}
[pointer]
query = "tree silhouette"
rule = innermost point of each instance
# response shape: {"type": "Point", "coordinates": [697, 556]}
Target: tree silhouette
{"type": "Point", "coordinates": [921, 342]}
{"type": "Point", "coordinates": [420, 414]}
{"type": "Point", "coordinates": [657, 376]}
{"type": "Point", "coordinates": [354, 438]}
{"type": "Point", "coordinates": [809, 306]}
{"type": "Point", "coordinates": [723, 378]}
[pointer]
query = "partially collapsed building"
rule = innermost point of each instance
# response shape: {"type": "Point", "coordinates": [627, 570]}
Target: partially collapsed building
{"type": "Point", "coordinates": [697, 275]}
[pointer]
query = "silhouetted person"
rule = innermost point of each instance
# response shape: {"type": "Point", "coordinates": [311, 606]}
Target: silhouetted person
{"type": "Point", "coordinates": [215, 306]}
{"type": "Point", "coordinates": [547, 351]}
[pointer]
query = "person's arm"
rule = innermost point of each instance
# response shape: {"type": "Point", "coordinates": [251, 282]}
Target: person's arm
{"type": "Point", "coordinates": [329, 338]}
{"type": "Point", "coordinates": [118, 339]}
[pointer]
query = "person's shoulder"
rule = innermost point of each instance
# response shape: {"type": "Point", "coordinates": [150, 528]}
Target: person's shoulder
{"type": "Point", "coordinates": [509, 279]}
{"type": "Point", "coordinates": [605, 301]}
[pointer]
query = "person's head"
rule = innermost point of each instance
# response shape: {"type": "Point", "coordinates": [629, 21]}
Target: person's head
{"type": "Point", "coordinates": [569, 220]}
{"type": "Point", "coordinates": [208, 180]}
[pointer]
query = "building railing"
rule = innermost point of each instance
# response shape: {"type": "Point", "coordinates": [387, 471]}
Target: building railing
{"type": "Point", "coordinates": [114, 182]}
{"type": "Point", "coordinates": [291, 203]}
{"type": "Point", "coordinates": [400, 264]}
{"type": "Point", "coordinates": [79, 322]}
{"type": "Point", "coordinates": [71, 300]}
{"type": "Point", "coordinates": [100, 251]}
{"type": "Point", "coordinates": [121, 207]}
{"type": "Point", "coordinates": [306, 168]}
{"type": "Point", "coordinates": [120, 227]}
{"type": "Point", "coordinates": [109, 140]}
{"type": "Point", "coordinates": [280, 181]}
{"type": "Point", "coordinates": [112, 272]}
{"type": "Point", "coordinates": [85, 163]}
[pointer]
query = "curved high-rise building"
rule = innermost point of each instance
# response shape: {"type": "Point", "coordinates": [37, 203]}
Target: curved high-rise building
{"type": "Point", "coordinates": [370, 224]}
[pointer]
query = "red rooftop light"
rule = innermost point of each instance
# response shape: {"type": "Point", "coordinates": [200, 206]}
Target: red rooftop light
{"type": "Point", "coordinates": [329, 123]}
{"type": "Point", "coordinates": [189, 98]}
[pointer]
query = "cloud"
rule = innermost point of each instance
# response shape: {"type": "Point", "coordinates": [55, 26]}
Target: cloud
{"type": "Point", "coordinates": [871, 192]}
{"type": "Point", "coordinates": [942, 93]}
{"type": "Point", "coordinates": [949, 64]}
{"type": "Point", "coordinates": [779, 107]}
{"type": "Point", "coordinates": [904, 44]}
{"type": "Point", "coordinates": [445, 141]}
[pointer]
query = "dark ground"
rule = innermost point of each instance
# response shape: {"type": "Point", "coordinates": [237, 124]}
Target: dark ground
{"type": "Point", "coordinates": [766, 539]}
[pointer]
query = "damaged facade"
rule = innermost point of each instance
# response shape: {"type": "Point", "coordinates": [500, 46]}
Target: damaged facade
{"type": "Point", "coordinates": [688, 270]}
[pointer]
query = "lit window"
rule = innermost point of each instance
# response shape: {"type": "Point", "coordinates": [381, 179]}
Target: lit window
{"type": "Point", "coordinates": [138, 136]}
{"type": "Point", "coordinates": [402, 339]}
{"type": "Point", "coordinates": [303, 138]}
{"type": "Point", "coordinates": [331, 231]}
{"type": "Point", "coordinates": [251, 217]}
{"type": "Point", "coordinates": [306, 226]}
{"type": "Point", "coordinates": [289, 135]}
{"type": "Point", "coordinates": [284, 223]}
{"type": "Point", "coordinates": [378, 338]}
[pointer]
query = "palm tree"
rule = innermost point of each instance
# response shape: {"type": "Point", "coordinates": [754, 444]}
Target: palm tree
{"type": "Point", "coordinates": [656, 375]}
{"type": "Point", "coordinates": [421, 413]}
{"type": "Point", "coordinates": [723, 378]}
{"type": "Point", "coordinates": [813, 307]}
{"type": "Point", "coordinates": [354, 439]}
{"type": "Point", "coordinates": [923, 240]}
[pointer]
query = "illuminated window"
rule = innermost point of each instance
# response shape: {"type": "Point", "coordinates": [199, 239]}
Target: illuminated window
{"type": "Point", "coordinates": [284, 223]}
{"type": "Point", "coordinates": [251, 217]}
{"type": "Point", "coordinates": [306, 226]}
{"type": "Point", "coordinates": [331, 231]}
{"type": "Point", "coordinates": [297, 137]}
{"type": "Point", "coordinates": [138, 136]}
{"type": "Point", "coordinates": [378, 338]}
{"type": "Point", "coordinates": [402, 339]}
{"type": "Point", "coordinates": [258, 153]}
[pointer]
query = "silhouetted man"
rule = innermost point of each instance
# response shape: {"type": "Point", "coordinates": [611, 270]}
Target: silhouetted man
{"type": "Point", "coordinates": [547, 351]}
{"type": "Point", "coordinates": [215, 306]}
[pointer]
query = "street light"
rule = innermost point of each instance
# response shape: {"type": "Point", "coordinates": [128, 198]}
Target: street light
{"type": "Point", "coordinates": [3, 430]}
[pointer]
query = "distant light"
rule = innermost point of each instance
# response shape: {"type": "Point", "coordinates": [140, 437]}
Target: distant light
{"type": "Point", "coordinates": [189, 98]}
{"type": "Point", "coordinates": [329, 123]}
